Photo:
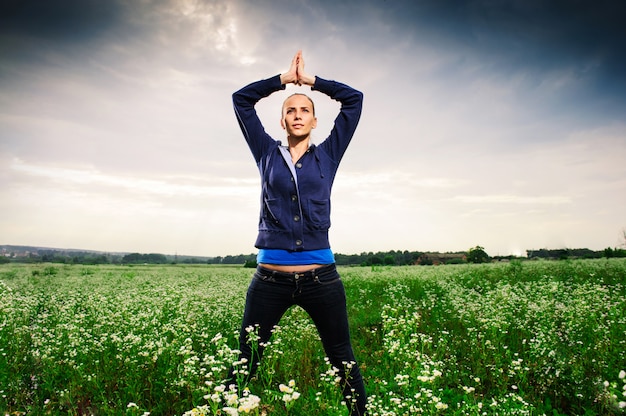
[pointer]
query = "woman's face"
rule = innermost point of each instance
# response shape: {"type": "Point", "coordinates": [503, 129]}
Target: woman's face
{"type": "Point", "coordinates": [298, 116]}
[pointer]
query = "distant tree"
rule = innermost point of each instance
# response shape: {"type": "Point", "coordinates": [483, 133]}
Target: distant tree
{"type": "Point", "coordinates": [477, 255]}
{"type": "Point", "coordinates": [374, 261]}
{"type": "Point", "coordinates": [250, 264]}
{"type": "Point", "coordinates": [132, 258]}
{"type": "Point", "coordinates": [156, 258]}
{"type": "Point", "coordinates": [137, 258]}
{"type": "Point", "coordinates": [616, 252]}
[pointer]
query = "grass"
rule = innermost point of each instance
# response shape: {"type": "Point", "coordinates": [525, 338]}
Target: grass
{"type": "Point", "coordinates": [528, 338]}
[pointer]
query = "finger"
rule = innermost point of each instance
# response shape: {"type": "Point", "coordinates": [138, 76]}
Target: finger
{"type": "Point", "coordinates": [294, 61]}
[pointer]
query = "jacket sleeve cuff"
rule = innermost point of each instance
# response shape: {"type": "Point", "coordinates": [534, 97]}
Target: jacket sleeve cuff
{"type": "Point", "coordinates": [276, 83]}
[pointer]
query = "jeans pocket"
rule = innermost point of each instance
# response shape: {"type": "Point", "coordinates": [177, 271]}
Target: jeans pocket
{"type": "Point", "coordinates": [264, 278]}
{"type": "Point", "coordinates": [331, 280]}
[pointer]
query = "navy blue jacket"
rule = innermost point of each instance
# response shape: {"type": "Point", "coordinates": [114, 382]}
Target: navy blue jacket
{"type": "Point", "coordinates": [296, 217]}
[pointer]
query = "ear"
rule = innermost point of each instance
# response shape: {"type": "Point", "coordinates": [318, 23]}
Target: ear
{"type": "Point", "coordinates": [314, 122]}
{"type": "Point", "coordinates": [282, 123]}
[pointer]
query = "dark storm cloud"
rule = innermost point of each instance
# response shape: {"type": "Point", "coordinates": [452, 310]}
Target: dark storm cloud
{"type": "Point", "coordinates": [522, 32]}
{"type": "Point", "coordinates": [567, 54]}
{"type": "Point", "coordinates": [59, 20]}
{"type": "Point", "coordinates": [51, 34]}
{"type": "Point", "coordinates": [511, 33]}
{"type": "Point", "coordinates": [561, 52]}
{"type": "Point", "coordinates": [548, 30]}
{"type": "Point", "coordinates": [581, 34]}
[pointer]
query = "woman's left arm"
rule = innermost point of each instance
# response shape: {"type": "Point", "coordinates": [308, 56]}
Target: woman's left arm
{"type": "Point", "coordinates": [346, 122]}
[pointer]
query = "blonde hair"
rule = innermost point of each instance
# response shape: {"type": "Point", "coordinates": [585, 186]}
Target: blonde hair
{"type": "Point", "coordinates": [298, 93]}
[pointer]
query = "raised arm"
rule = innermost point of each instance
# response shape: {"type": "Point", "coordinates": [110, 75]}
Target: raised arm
{"type": "Point", "coordinates": [244, 101]}
{"type": "Point", "coordinates": [346, 121]}
{"type": "Point", "coordinates": [246, 98]}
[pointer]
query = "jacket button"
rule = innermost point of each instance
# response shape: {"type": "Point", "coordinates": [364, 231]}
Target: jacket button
{"type": "Point", "coordinates": [298, 165]}
{"type": "Point", "coordinates": [298, 242]}
{"type": "Point", "coordinates": [296, 218]}
{"type": "Point", "coordinates": [294, 198]}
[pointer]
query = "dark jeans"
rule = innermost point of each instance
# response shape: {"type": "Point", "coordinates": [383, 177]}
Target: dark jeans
{"type": "Point", "coordinates": [322, 295]}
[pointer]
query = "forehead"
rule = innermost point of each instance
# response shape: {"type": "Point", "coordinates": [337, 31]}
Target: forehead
{"type": "Point", "coordinates": [297, 101]}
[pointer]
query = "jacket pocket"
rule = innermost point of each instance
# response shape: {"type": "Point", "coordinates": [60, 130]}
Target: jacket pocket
{"type": "Point", "coordinates": [319, 213]}
{"type": "Point", "coordinates": [271, 213]}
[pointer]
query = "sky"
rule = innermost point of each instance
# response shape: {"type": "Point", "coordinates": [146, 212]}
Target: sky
{"type": "Point", "coordinates": [492, 123]}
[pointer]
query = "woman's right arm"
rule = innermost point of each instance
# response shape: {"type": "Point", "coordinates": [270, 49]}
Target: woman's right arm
{"type": "Point", "coordinates": [244, 101]}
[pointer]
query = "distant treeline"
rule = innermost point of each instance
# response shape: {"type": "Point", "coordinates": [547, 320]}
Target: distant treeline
{"type": "Point", "coordinates": [576, 253]}
{"type": "Point", "coordinates": [390, 258]}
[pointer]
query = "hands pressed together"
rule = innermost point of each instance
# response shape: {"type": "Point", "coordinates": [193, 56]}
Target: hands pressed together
{"type": "Point", "coordinates": [296, 74]}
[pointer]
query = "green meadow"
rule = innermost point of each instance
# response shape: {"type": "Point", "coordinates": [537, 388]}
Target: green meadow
{"type": "Point", "coordinates": [518, 338]}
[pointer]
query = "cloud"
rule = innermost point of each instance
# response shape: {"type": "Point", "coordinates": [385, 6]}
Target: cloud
{"type": "Point", "coordinates": [60, 20]}
{"type": "Point", "coordinates": [498, 199]}
{"type": "Point", "coordinates": [89, 179]}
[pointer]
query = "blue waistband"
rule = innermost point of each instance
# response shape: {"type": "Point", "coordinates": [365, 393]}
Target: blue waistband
{"type": "Point", "coordinates": [277, 256]}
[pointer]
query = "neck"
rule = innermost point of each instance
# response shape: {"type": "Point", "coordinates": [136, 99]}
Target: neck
{"type": "Point", "coordinates": [297, 147]}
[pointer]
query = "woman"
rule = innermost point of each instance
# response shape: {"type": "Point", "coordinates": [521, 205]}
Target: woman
{"type": "Point", "coordinates": [296, 264]}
